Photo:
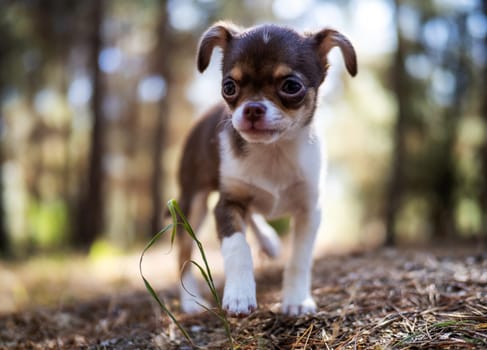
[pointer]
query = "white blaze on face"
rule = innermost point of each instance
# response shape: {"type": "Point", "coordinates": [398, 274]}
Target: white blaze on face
{"type": "Point", "coordinates": [268, 129]}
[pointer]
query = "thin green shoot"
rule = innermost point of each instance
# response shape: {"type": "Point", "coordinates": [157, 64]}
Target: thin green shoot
{"type": "Point", "coordinates": [178, 218]}
{"type": "Point", "coordinates": [176, 212]}
{"type": "Point", "coordinates": [151, 291]}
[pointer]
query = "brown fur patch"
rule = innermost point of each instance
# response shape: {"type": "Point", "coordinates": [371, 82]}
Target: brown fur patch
{"type": "Point", "coordinates": [328, 39]}
{"type": "Point", "coordinates": [230, 214]}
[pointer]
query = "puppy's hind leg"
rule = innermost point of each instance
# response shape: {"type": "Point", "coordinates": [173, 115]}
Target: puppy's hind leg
{"type": "Point", "coordinates": [189, 292]}
{"type": "Point", "coordinates": [266, 235]}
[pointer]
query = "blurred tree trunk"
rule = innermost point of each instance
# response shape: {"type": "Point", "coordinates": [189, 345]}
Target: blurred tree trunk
{"type": "Point", "coordinates": [443, 213]}
{"type": "Point", "coordinates": [5, 248]}
{"type": "Point", "coordinates": [161, 66]}
{"type": "Point", "coordinates": [483, 157]}
{"type": "Point", "coordinates": [443, 207]}
{"type": "Point", "coordinates": [4, 238]}
{"type": "Point", "coordinates": [483, 149]}
{"type": "Point", "coordinates": [91, 210]}
{"type": "Point", "coordinates": [396, 177]}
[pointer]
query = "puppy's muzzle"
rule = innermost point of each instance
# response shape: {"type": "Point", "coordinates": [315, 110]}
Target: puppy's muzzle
{"type": "Point", "coordinates": [254, 111]}
{"type": "Point", "coordinates": [254, 116]}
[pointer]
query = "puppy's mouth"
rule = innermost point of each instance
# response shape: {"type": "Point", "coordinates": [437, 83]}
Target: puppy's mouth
{"type": "Point", "coordinates": [258, 130]}
{"type": "Point", "coordinates": [259, 134]}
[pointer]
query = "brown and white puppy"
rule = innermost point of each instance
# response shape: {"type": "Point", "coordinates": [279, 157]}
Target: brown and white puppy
{"type": "Point", "coordinates": [259, 149]}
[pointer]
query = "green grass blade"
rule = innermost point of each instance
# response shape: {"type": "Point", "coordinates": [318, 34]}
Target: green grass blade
{"type": "Point", "coordinates": [176, 211]}
{"type": "Point", "coordinates": [223, 319]}
{"type": "Point", "coordinates": [174, 219]}
{"type": "Point", "coordinates": [205, 271]}
{"type": "Point", "coordinates": [219, 313]}
{"type": "Point", "coordinates": [151, 291]}
{"type": "Point", "coordinates": [155, 239]}
{"type": "Point", "coordinates": [166, 310]}
{"type": "Point", "coordinates": [211, 286]}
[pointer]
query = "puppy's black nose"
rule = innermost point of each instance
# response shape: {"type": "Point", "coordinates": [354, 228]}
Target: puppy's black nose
{"type": "Point", "coordinates": [254, 111]}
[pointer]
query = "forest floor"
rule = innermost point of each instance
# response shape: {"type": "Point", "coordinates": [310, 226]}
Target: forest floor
{"type": "Point", "coordinates": [380, 299]}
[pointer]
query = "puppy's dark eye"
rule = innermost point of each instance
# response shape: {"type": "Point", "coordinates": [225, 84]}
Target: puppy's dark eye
{"type": "Point", "coordinates": [291, 87]}
{"type": "Point", "coordinates": [229, 88]}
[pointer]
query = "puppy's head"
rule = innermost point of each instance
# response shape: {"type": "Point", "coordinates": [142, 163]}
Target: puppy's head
{"type": "Point", "coordinates": [271, 75]}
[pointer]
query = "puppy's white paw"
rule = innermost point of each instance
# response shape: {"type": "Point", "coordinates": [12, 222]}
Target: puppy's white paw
{"type": "Point", "coordinates": [239, 293]}
{"type": "Point", "coordinates": [192, 305]}
{"type": "Point", "coordinates": [239, 298]}
{"type": "Point", "coordinates": [293, 308]}
{"type": "Point", "coordinates": [190, 296]}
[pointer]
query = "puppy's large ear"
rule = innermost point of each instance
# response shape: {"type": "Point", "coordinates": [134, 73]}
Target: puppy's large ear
{"type": "Point", "coordinates": [327, 39]}
{"type": "Point", "coordinates": [220, 34]}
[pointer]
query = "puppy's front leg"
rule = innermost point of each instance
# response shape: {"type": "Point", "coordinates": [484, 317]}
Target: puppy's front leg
{"type": "Point", "coordinates": [239, 292]}
{"type": "Point", "coordinates": [297, 297]}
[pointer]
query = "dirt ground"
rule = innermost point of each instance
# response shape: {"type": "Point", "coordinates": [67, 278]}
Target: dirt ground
{"type": "Point", "coordinates": [381, 299]}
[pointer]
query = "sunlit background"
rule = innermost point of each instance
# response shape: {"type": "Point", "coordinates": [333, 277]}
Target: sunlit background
{"type": "Point", "coordinates": [97, 97]}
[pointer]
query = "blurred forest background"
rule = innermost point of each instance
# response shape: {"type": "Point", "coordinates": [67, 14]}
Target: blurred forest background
{"type": "Point", "coordinates": [96, 97]}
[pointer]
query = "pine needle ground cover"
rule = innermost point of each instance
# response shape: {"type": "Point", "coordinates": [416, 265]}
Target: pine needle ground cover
{"type": "Point", "coordinates": [384, 299]}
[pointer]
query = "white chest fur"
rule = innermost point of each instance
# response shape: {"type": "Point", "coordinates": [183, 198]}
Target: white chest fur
{"type": "Point", "coordinates": [276, 174]}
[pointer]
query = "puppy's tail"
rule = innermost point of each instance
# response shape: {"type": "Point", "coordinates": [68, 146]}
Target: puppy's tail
{"type": "Point", "coordinates": [267, 237]}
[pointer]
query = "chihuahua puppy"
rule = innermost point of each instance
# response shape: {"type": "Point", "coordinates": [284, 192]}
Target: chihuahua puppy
{"type": "Point", "coordinates": [259, 149]}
